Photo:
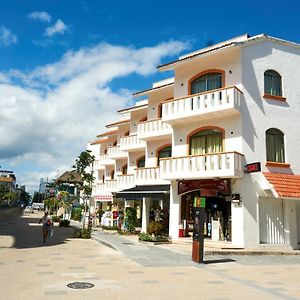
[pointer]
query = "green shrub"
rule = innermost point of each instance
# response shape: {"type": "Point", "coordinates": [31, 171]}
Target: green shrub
{"type": "Point", "coordinates": [55, 218]}
{"type": "Point", "coordinates": [64, 223]}
{"type": "Point", "coordinates": [146, 237]}
{"type": "Point", "coordinates": [110, 227]}
{"type": "Point", "coordinates": [76, 214]}
{"type": "Point", "coordinates": [130, 219]}
{"type": "Point", "coordinates": [82, 234]}
{"type": "Point", "coordinates": [154, 228]}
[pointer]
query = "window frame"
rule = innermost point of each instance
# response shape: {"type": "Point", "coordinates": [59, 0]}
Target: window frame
{"type": "Point", "coordinates": [203, 73]}
{"type": "Point", "coordinates": [268, 93]}
{"type": "Point", "coordinates": [274, 143]}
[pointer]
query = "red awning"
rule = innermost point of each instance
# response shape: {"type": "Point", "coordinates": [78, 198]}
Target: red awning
{"type": "Point", "coordinates": [285, 185]}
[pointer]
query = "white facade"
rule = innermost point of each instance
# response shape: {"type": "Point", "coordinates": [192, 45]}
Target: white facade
{"type": "Point", "coordinates": [241, 111]}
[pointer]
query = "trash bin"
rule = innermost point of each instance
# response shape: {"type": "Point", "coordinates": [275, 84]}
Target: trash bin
{"type": "Point", "coordinates": [181, 231]}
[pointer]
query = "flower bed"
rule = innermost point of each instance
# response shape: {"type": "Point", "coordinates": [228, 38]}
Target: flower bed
{"type": "Point", "coordinates": [160, 239]}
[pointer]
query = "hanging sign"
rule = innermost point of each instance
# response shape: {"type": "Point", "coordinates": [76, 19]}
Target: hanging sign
{"type": "Point", "coordinates": [253, 167]}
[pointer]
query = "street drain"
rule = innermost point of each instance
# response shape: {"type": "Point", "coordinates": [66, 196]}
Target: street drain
{"type": "Point", "coordinates": [125, 243]}
{"type": "Point", "coordinates": [80, 285]}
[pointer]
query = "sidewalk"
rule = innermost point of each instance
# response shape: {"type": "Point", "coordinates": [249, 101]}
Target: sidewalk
{"type": "Point", "coordinates": [184, 245]}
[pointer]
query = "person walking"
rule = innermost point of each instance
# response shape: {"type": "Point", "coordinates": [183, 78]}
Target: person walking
{"type": "Point", "coordinates": [47, 226]}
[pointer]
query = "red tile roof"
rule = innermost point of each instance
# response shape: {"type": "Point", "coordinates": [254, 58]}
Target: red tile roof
{"type": "Point", "coordinates": [285, 185]}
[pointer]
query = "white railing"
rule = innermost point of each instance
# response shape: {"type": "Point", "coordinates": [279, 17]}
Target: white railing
{"type": "Point", "coordinates": [145, 176]}
{"type": "Point", "coordinates": [98, 165]}
{"type": "Point", "coordinates": [98, 188]}
{"type": "Point", "coordinates": [153, 128]}
{"type": "Point", "coordinates": [116, 152]}
{"type": "Point", "coordinates": [105, 160]}
{"type": "Point", "coordinates": [124, 181]}
{"type": "Point", "coordinates": [111, 185]}
{"type": "Point", "coordinates": [228, 164]}
{"type": "Point", "coordinates": [216, 101]}
{"type": "Point", "coordinates": [131, 142]}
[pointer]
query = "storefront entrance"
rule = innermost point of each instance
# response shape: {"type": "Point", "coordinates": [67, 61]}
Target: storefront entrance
{"type": "Point", "coordinates": [217, 224]}
{"type": "Point", "coordinates": [217, 217]}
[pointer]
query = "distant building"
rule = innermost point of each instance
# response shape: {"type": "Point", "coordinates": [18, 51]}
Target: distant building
{"type": "Point", "coordinates": [8, 179]}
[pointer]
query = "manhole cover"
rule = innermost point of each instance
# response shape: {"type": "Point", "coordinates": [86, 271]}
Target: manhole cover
{"type": "Point", "coordinates": [80, 285]}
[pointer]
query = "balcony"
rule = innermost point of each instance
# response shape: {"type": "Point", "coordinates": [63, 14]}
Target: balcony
{"type": "Point", "coordinates": [149, 176]}
{"type": "Point", "coordinates": [213, 104]}
{"type": "Point", "coordinates": [132, 143]}
{"type": "Point", "coordinates": [116, 152]}
{"type": "Point", "coordinates": [98, 165]}
{"type": "Point", "coordinates": [153, 129]}
{"type": "Point", "coordinates": [98, 188]}
{"type": "Point", "coordinates": [125, 181]}
{"type": "Point", "coordinates": [205, 166]}
{"type": "Point", "coordinates": [105, 160]}
{"type": "Point", "coordinates": [111, 185]}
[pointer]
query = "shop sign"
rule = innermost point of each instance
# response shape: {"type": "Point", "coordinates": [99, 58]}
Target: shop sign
{"type": "Point", "coordinates": [103, 198]}
{"type": "Point", "coordinates": [209, 186]}
{"type": "Point", "coordinates": [253, 167]}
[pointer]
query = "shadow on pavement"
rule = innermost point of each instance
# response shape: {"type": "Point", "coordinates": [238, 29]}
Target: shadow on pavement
{"type": "Point", "coordinates": [217, 261]}
{"type": "Point", "coordinates": [27, 232]}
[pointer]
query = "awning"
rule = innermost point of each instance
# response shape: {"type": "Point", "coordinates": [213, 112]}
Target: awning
{"type": "Point", "coordinates": [141, 191]}
{"type": "Point", "coordinates": [284, 185]}
{"type": "Point", "coordinates": [103, 197]}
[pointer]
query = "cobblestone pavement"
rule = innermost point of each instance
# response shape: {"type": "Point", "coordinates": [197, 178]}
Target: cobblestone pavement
{"type": "Point", "coordinates": [129, 270]}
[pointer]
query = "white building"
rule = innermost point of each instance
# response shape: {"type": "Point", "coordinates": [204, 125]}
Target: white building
{"type": "Point", "coordinates": [228, 105]}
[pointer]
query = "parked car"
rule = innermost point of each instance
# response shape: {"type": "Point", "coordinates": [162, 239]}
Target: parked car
{"type": "Point", "coordinates": [29, 209]}
{"type": "Point", "coordinates": [38, 206]}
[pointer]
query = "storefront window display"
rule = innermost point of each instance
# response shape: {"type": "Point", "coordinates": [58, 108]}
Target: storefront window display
{"type": "Point", "coordinates": [217, 216]}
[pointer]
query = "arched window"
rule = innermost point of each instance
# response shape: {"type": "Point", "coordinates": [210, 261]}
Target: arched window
{"type": "Point", "coordinates": [105, 151]}
{"type": "Point", "coordinates": [206, 141]}
{"type": "Point", "coordinates": [126, 133]}
{"type": "Point", "coordinates": [164, 152]}
{"type": "Point", "coordinates": [115, 143]}
{"type": "Point", "coordinates": [273, 84]}
{"type": "Point", "coordinates": [141, 162]}
{"type": "Point", "coordinates": [207, 82]}
{"type": "Point", "coordinates": [124, 169]}
{"type": "Point", "coordinates": [275, 145]}
{"type": "Point", "coordinates": [112, 174]}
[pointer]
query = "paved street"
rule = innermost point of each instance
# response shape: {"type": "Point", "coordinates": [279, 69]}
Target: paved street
{"type": "Point", "coordinates": [130, 270]}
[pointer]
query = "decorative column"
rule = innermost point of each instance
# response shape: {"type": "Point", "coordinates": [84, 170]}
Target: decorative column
{"type": "Point", "coordinates": [175, 207]}
{"type": "Point", "coordinates": [146, 213]}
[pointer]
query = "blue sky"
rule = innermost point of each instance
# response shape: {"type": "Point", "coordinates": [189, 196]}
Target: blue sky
{"type": "Point", "coordinates": [67, 66]}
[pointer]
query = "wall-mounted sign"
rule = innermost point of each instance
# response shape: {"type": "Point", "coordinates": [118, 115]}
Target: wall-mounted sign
{"type": "Point", "coordinates": [253, 167]}
{"type": "Point", "coordinates": [210, 187]}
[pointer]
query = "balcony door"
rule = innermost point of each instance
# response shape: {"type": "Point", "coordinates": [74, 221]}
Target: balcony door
{"type": "Point", "coordinates": [206, 141]}
{"type": "Point", "coordinates": [206, 82]}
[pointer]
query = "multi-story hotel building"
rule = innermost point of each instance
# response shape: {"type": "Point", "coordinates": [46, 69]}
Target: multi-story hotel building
{"type": "Point", "coordinates": [226, 128]}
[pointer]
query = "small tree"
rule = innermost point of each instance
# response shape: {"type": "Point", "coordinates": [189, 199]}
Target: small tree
{"type": "Point", "coordinates": [84, 166]}
{"type": "Point", "coordinates": [130, 216]}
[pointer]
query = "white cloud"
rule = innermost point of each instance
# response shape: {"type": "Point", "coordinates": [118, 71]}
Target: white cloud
{"type": "Point", "coordinates": [7, 37]}
{"type": "Point", "coordinates": [40, 15]}
{"type": "Point", "coordinates": [58, 28]}
{"type": "Point", "coordinates": [48, 118]}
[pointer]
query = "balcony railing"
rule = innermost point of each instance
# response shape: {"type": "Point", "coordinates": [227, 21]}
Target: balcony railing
{"type": "Point", "coordinates": [211, 104]}
{"type": "Point", "coordinates": [149, 176]}
{"type": "Point", "coordinates": [222, 165]}
{"type": "Point", "coordinates": [111, 185]}
{"type": "Point", "coordinates": [116, 152]}
{"type": "Point", "coordinates": [131, 142]}
{"type": "Point", "coordinates": [125, 181]}
{"type": "Point", "coordinates": [105, 160]}
{"type": "Point", "coordinates": [153, 129]}
{"type": "Point", "coordinates": [98, 188]}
